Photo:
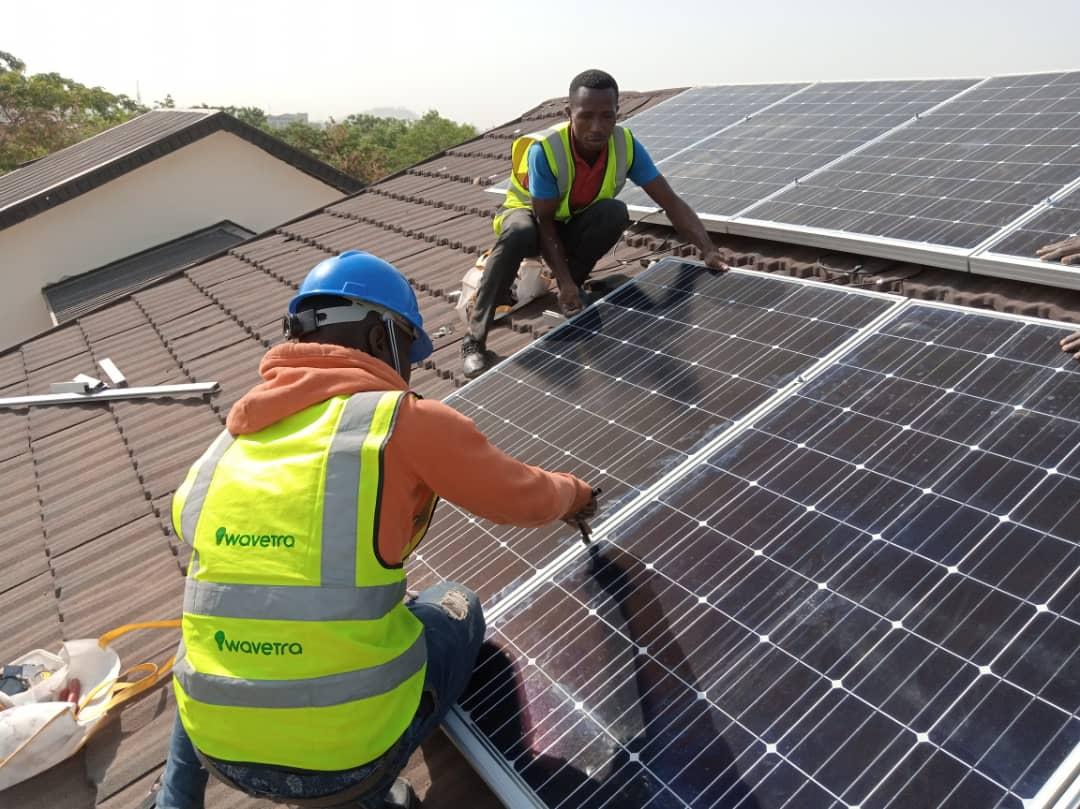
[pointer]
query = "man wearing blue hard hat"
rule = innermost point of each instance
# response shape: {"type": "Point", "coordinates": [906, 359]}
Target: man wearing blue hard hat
{"type": "Point", "coordinates": [305, 675]}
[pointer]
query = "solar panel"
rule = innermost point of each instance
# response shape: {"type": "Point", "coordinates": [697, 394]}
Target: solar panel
{"type": "Point", "coordinates": [684, 119]}
{"type": "Point", "coordinates": [956, 176]}
{"type": "Point", "coordinates": [1059, 221]}
{"type": "Point", "coordinates": [742, 165]}
{"type": "Point", "coordinates": [629, 390]}
{"type": "Point", "coordinates": [867, 597]}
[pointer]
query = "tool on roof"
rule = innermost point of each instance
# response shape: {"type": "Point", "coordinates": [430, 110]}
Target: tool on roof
{"type": "Point", "coordinates": [84, 388]}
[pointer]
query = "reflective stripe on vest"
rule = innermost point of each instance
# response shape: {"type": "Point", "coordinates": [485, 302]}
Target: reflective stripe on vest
{"type": "Point", "coordinates": [312, 692]}
{"type": "Point", "coordinates": [291, 603]}
{"type": "Point", "coordinates": [560, 157]}
{"type": "Point", "coordinates": [282, 618]}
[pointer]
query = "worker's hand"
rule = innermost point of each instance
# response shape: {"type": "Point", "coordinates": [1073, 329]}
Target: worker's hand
{"type": "Point", "coordinates": [586, 513]}
{"type": "Point", "coordinates": [570, 300]}
{"type": "Point", "coordinates": [1071, 345]}
{"type": "Point", "coordinates": [1067, 250]}
{"type": "Point", "coordinates": [713, 261]}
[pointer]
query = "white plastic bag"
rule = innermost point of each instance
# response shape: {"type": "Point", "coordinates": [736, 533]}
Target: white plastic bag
{"type": "Point", "coordinates": [36, 735]}
{"type": "Point", "coordinates": [533, 281]}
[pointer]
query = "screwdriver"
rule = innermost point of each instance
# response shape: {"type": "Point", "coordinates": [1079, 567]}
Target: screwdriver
{"type": "Point", "coordinates": [586, 531]}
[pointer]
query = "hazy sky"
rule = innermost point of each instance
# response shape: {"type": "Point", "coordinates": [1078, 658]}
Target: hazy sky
{"type": "Point", "coordinates": [486, 63]}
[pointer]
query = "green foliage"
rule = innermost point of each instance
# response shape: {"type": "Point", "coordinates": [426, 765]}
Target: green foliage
{"type": "Point", "coordinates": [44, 112]}
{"type": "Point", "coordinates": [368, 147]}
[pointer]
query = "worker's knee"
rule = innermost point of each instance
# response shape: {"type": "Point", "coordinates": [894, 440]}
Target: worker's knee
{"type": "Point", "coordinates": [519, 234]}
{"type": "Point", "coordinates": [461, 603]}
{"type": "Point", "coordinates": [613, 213]}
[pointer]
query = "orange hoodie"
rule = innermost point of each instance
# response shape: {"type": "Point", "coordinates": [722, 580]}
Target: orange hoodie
{"type": "Point", "coordinates": [433, 447]}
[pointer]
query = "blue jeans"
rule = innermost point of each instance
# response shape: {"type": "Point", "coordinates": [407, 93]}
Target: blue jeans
{"type": "Point", "coordinates": [453, 630]}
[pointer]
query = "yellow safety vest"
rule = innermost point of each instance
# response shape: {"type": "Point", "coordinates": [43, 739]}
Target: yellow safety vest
{"type": "Point", "coordinates": [297, 649]}
{"type": "Point", "coordinates": [560, 157]}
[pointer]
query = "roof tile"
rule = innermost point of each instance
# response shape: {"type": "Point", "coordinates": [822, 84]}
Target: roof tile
{"type": "Point", "coordinates": [141, 356]}
{"type": "Point", "coordinates": [75, 510]}
{"type": "Point", "coordinates": [394, 214]}
{"type": "Point", "coordinates": [460, 197]}
{"type": "Point", "coordinates": [235, 368]}
{"type": "Point", "coordinates": [226, 268]}
{"type": "Point", "coordinates": [64, 786]}
{"type": "Point", "coordinates": [439, 270]}
{"type": "Point", "coordinates": [95, 593]}
{"type": "Point", "coordinates": [265, 247]}
{"type": "Point", "coordinates": [164, 438]}
{"type": "Point", "coordinates": [406, 186]}
{"type": "Point", "coordinates": [14, 433]}
{"type": "Point", "coordinates": [205, 333]}
{"type": "Point", "coordinates": [256, 300]}
{"type": "Point", "coordinates": [29, 619]}
{"type": "Point", "coordinates": [176, 298]}
{"type": "Point", "coordinates": [468, 232]}
{"type": "Point", "coordinates": [380, 241]}
{"type": "Point", "coordinates": [319, 224]}
{"type": "Point", "coordinates": [133, 745]}
{"type": "Point", "coordinates": [12, 370]}
{"type": "Point", "coordinates": [112, 320]}
{"type": "Point", "coordinates": [484, 171]}
{"type": "Point", "coordinates": [293, 265]}
{"type": "Point", "coordinates": [52, 347]}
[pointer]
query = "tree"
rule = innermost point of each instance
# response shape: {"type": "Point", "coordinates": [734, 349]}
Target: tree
{"type": "Point", "coordinates": [44, 112]}
{"type": "Point", "coordinates": [430, 135]}
{"type": "Point", "coordinates": [369, 147]}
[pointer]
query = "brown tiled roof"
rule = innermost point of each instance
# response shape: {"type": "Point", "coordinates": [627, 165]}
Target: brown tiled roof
{"type": "Point", "coordinates": [87, 543]}
{"type": "Point", "coordinates": [66, 174]}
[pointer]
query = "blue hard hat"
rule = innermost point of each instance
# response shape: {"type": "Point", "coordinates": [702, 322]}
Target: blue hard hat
{"type": "Point", "coordinates": [367, 278]}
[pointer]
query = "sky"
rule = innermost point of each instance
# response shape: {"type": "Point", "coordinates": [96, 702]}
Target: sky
{"type": "Point", "coordinates": [486, 63]}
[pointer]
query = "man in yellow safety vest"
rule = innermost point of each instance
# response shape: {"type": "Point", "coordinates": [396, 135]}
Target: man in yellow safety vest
{"type": "Point", "coordinates": [561, 205]}
{"type": "Point", "coordinates": [305, 675]}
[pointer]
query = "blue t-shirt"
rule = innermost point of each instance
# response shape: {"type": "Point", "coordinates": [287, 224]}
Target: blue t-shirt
{"type": "Point", "coordinates": [542, 183]}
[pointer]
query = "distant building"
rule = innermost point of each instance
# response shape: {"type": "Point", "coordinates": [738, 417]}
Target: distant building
{"type": "Point", "coordinates": [284, 119]}
{"type": "Point", "coordinates": [102, 218]}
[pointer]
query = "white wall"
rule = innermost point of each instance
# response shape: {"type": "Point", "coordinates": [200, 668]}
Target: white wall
{"type": "Point", "coordinates": [218, 177]}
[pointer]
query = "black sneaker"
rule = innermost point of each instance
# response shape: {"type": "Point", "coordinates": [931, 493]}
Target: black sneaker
{"type": "Point", "coordinates": [474, 359]}
{"type": "Point", "coordinates": [401, 796]}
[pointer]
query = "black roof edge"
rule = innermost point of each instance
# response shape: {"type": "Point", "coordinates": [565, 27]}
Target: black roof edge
{"type": "Point", "coordinates": [217, 122]}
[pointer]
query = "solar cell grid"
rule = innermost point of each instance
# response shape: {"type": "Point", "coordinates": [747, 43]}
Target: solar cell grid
{"type": "Point", "coordinates": [1059, 221]}
{"type": "Point", "coordinates": [631, 389]}
{"type": "Point", "coordinates": [867, 598]}
{"type": "Point", "coordinates": [956, 176]}
{"type": "Point", "coordinates": [741, 166]}
{"type": "Point", "coordinates": [699, 112]}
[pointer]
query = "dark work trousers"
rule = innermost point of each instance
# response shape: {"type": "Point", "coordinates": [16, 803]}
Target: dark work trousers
{"type": "Point", "coordinates": [586, 237]}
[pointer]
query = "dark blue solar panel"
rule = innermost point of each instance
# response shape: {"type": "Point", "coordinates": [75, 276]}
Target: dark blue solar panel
{"type": "Point", "coordinates": [629, 390]}
{"type": "Point", "coordinates": [746, 163]}
{"type": "Point", "coordinates": [699, 112]}
{"type": "Point", "coordinates": [869, 597]}
{"type": "Point", "coordinates": [956, 176]}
